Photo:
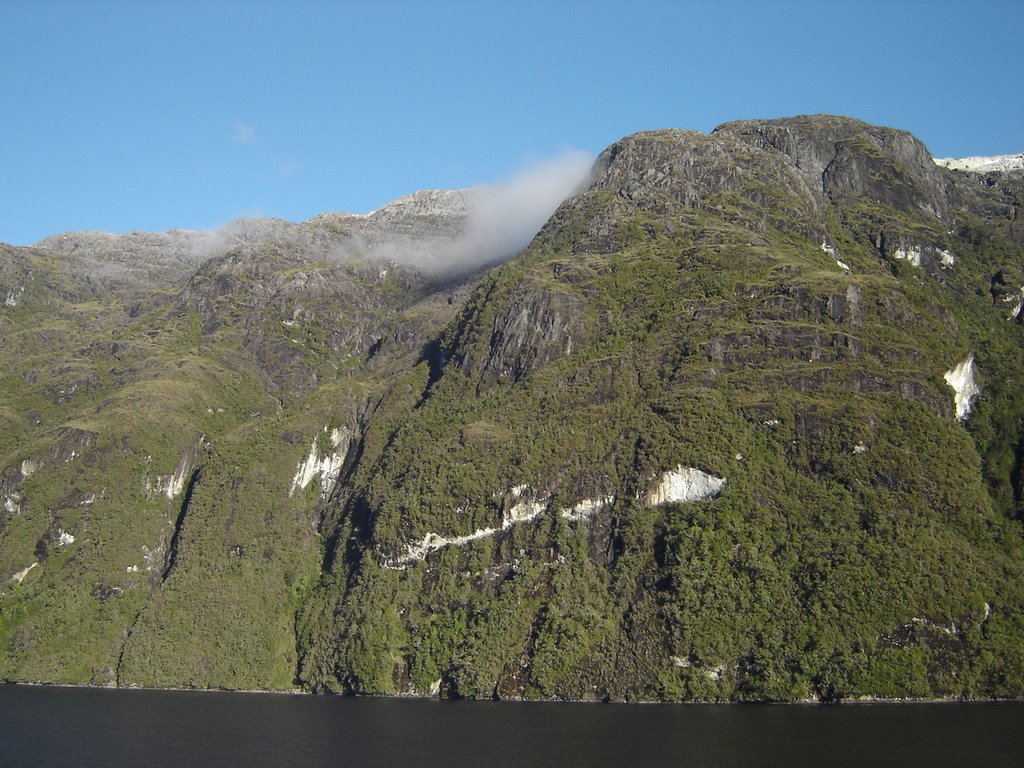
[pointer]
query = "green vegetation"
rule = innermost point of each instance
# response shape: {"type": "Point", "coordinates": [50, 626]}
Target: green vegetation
{"type": "Point", "coordinates": [863, 540]}
{"type": "Point", "coordinates": [684, 311]}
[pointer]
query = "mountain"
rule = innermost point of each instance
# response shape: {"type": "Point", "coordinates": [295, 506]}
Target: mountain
{"type": "Point", "coordinates": [159, 393]}
{"type": "Point", "coordinates": [744, 421]}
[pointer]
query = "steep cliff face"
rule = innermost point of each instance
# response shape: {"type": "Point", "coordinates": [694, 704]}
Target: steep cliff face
{"type": "Point", "coordinates": [706, 439]}
{"type": "Point", "coordinates": [743, 422]}
{"type": "Point", "coordinates": [160, 396]}
{"type": "Point", "coordinates": [841, 157]}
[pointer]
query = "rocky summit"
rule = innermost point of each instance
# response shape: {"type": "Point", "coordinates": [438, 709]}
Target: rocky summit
{"type": "Point", "coordinates": [745, 421]}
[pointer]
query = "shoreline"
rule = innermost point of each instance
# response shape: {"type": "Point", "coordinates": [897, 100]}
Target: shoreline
{"type": "Point", "coordinates": [861, 700]}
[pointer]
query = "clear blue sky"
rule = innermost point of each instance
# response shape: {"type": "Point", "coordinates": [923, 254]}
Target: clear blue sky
{"type": "Point", "coordinates": [152, 115]}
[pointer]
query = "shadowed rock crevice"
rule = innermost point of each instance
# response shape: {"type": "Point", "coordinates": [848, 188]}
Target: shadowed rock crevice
{"type": "Point", "coordinates": [179, 523]}
{"type": "Point", "coordinates": [713, 435]}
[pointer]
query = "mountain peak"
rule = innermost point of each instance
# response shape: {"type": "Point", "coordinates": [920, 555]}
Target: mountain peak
{"type": "Point", "coordinates": [984, 164]}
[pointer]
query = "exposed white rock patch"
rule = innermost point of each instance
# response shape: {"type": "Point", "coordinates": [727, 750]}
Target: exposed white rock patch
{"type": "Point", "coordinates": [432, 542]}
{"type": "Point", "coordinates": [172, 485]}
{"type": "Point", "coordinates": [306, 470]}
{"type": "Point", "coordinates": [679, 661]}
{"type": "Point", "coordinates": [860, 448]}
{"type": "Point", "coordinates": [132, 569]}
{"type": "Point", "coordinates": [326, 467]}
{"type": "Point", "coordinates": [20, 575]}
{"type": "Point", "coordinates": [13, 297]}
{"type": "Point", "coordinates": [911, 253]}
{"type": "Point", "coordinates": [587, 508]}
{"type": "Point", "coordinates": [961, 379]}
{"type": "Point", "coordinates": [947, 259]}
{"type": "Point", "coordinates": [153, 559]}
{"type": "Point", "coordinates": [715, 673]}
{"type": "Point", "coordinates": [683, 485]}
{"type": "Point", "coordinates": [435, 688]}
{"type": "Point", "coordinates": [989, 164]}
{"type": "Point", "coordinates": [772, 423]}
{"type": "Point", "coordinates": [830, 250]}
{"type": "Point", "coordinates": [951, 630]}
{"type": "Point", "coordinates": [64, 538]}
{"type": "Point", "coordinates": [1018, 303]}
{"type": "Point", "coordinates": [12, 504]}
{"type": "Point", "coordinates": [29, 467]}
{"type": "Point", "coordinates": [515, 491]}
{"type": "Point", "coordinates": [525, 510]}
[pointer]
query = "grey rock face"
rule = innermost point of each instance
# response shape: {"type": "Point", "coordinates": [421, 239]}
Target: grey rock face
{"type": "Point", "coordinates": [414, 230]}
{"type": "Point", "coordinates": [840, 155]}
{"type": "Point", "coordinates": [543, 326]}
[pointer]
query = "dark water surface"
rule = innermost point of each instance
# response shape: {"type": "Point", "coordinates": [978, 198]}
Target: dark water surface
{"type": "Point", "coordinates": [89, 727]}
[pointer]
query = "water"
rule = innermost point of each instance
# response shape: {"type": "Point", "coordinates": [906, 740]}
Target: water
{"type": "Point", "coordinates": [89, 727]}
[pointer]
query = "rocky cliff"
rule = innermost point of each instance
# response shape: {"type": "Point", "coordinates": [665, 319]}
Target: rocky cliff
{"type": "Point", "coordinates": [743, 422]}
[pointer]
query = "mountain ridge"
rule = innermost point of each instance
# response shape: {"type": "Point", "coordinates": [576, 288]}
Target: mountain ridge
{"type": "Point", "coordinates": [741, 423]}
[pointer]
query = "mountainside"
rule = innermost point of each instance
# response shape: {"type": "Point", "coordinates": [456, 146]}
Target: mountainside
{"type": "Point", "coordinates": [160, 395]}
{"type": "Point", "coordinates": [744, 421]}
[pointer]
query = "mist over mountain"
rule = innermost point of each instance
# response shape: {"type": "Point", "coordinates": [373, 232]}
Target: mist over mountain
{"type": "Point", "coordinates": [441, 232]}
{"type": "Point", "coordinates": [726, 416]}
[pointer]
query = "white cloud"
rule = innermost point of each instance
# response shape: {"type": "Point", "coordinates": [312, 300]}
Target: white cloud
{"type": "Point", "coordinates": [501, 219]}
{"type": "Point", "coordinates": [505, 217]}
{"type": "Point", "coordinates": [242, 133]}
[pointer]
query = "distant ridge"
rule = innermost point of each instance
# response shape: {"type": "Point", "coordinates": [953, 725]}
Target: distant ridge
{"type": "Point", "coordinates": [984, 164]}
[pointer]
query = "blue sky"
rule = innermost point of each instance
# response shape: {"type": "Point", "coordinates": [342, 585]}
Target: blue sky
{"type": "Point", "coordinates": [148, 115]}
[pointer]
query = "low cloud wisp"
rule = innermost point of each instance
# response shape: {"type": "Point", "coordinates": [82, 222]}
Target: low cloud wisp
{"type": "Point", "coordinates": [242, 133]}
{"type": "Point", "coordinates": [497, 220]}
{"type": "Point", "coordinates": [444, 233]}
{"type": "Point", "coordinates": [503, 218]}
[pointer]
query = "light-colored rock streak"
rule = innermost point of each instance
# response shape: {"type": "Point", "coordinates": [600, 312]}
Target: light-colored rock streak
{"type": "Point", "coordinates": [64, 538]}
{"type": "Point", "coordinates": [587, 508]}
{"type": "Point", "coordinates": [307, 469]}
{"type": "Point", "coordinates": [326, 467]}
{"type": "Point", "coordinates": [911, 253]}
{"type": "Point", "coordinates": [1018, 303]}
{"type": "Point", "coordinates": [20, 575]}
{"type": "Point", "coordinates": [524, 510]}
{"type": "Point", "coordinates": [175, 484]}
{"type": "Point", "coordinates": [961, 379]}
{"type": "Point", "coordinates": [433, 542]}
{"type": "Point", "coordinates": [683, 485]}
